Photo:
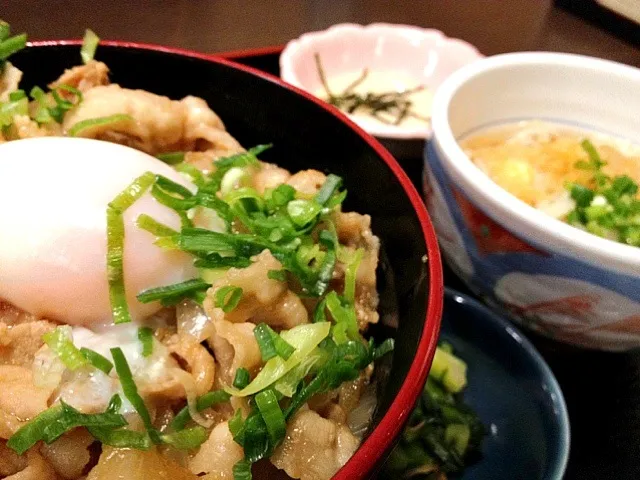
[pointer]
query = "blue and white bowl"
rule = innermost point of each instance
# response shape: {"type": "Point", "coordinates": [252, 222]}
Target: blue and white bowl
{"type": "Point", "coordinates": [548, 276]}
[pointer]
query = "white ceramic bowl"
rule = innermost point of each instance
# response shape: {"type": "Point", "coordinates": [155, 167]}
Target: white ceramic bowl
{"type": "Point", "coordinates": [559, 280]}
{"type": "Point", "coordinates": [424, 55]}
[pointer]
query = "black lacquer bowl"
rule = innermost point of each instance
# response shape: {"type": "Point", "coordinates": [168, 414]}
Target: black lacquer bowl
{"type": "Point", "coordinates": [258, 108]}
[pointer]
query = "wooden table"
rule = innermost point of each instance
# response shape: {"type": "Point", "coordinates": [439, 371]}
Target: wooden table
{"type": "Point", "coordinates": [602, 390]}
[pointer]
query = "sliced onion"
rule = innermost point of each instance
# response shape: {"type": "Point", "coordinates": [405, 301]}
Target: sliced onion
{"type": "Point", "coordinates": [193, 321]}
{"type": "Point", "coordinates": [360, 417]}
{"type": "Point", "coordinates": [47, 369]}
{"type": "Point", "coordinates": [189, 385]}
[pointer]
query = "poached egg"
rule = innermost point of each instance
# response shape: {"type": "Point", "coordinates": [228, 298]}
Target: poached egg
{"type": "Point", "coordinates": [53, 242]}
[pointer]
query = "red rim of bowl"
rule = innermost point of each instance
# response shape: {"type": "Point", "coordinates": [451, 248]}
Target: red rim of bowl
{"type": "Point", "coordinates": [389, 427]}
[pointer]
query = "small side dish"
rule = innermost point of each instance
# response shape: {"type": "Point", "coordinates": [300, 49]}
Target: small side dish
{"type": "Point", "coordinates": [586, 179]}
{"type": "Point", "coordinates": [382, 76]}
{"type": "Point", "coordinates": [444, 434]}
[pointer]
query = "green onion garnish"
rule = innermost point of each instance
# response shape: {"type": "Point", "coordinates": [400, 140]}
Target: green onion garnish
{"type": "Point", "coordinates": [8, 110]}
{"type": "Point", "coordinates": [83, 125]}
{"type": "Point", "coordinates": [256, 438]}
{"type": "Point", "coordinates": [330, 186]}
{"type": "Point", "coordinates": [171, 158]}
{"type": "Point", "coordinates": [242, 378]}
{"type": "Point", "coordinates": [60, 341]}
{"type": "Point", "coordinates": [42, 115]}
{"type": "Point", "coordinates": [31, 433]}
{"type": "Point", "coordinates": [72, 418]}
{"type": "Point", "coordinates": [131, 392]}
{"type": "Point", "coordinates": [303, 212]}
{"type": "Point", "coordinates": [172, 291]}
{"type": "Point", "coordinates": [115, 244]}
{"type": "Point", "coordinates": [207, 400]}
{"type": "Point", "coordinates": [272, 415]}
{"type": "Point", "coordinates": [262, 332]}
{"type": "Point", "coordinates": [145, 222]}
{"type": "Point", "coordinates": [242, 470]}
{"type": "Point", "coordinates": [122, 438]}
{"type": "Point", "coordinates": [12, 45]}
{"type": "Point", "coordinates": [5, 30]}
{"type": "Point", "coordinates": [350, 275]}
{"type": "Point", "coordinates": [97, 360]}
{"type": "Point", "coordinates": [279, 275]}
{"type": "Point", "coordinates": [145, 335]}
{"type": "Point", "coordinates": [63, 105]}
{"type": "Point", "coordinates": [385, 347]}
{"type": "Point", "coordinates": [186, 439]}
{"type": "Point", "coordinates": [227, 298]}
{"type": "Point", "coordinates": [89, 45]}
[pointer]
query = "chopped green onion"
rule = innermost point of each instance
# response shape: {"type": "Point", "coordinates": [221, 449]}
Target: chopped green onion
{"type": "Point", "coordinates": [17, 95]}
{"type": "Point", "coordinates": [172, 194]}
{"type": "Point", "coordinates": [31, 433]}
{"type": "Point", "coordinates": [303, 212]}
{"type": "Point", "coordinates": [227, 298]}
{"type": "Point", "coordinates": [60, 341]}
{"type": "Point", "coordinates": [350, 275]}
{"type": "Point", "coordinates": [385, 347]}
{"type": "Point", "coordinates": [115, 244]}
{"type": "Point", "coordinates": [83, 125]}
{"type": "Point", "coordinates": [279, 275]}
{"type": "Point", "coordinates": [267, 403]}
{"type": "Point", "coordinates": [171, 158]}
{"type": "Point", "coordinates": [304, 338]}
{"type": "Point", "coordinates": [175, 290]}
{"type": "Point", "coordinates": [187, 439]}
{"type": "Point", "coordinates": [72, 418]}
{"type": "Point", "coordinates": [234, 178]}
{"type": "Point", "coordinates": [196, 175]}
{"type": "Point", "coordinates": [42, 114]}
{"type": "Point", "coordinates": [242, 378]}
{"type": "Point", "coordinates": [97, 360]}
{"type": "Point", "coordinates": [131, 391]}
{"type": "Point", "coordinates": [270, 343]}
{"type": "Point", "coordinates": [265, 342]}
{"type": "Point", "coordinates": [122, 438]}
{"type": "Point", "coordinates": [242, 159]}
{"type": "Point", "coordinates": [236, 427]}
{"type": "Point", "coordinates": [256, 438]}
{"type": "Point", "coordinates": [216, 261]}
{"type": "Point", "coordinates": [145, 222]}
{"type": "Point", "coordinates": [207, 400]}
{"type": "Point", "coordinates": [344, 315]}
{"type": "Point", "coordinates": [12, 45]}
{"type": "Point", "coordinates": [319, 314]}
{"type": "Point", "coordinates": [10, 109]}
{"type": "Point", "coordinates": [145, 335]}
{"type": "Point", "coordinates": [63, 105]}
{"type": "Point", "coordinates": [5, 30]}
{"type": "Point", "coordinates": [89, 45]}
{"type": "Point", "coordinates": [331, 184]}
{"type": "Point", "coordinates": [242, 470]}
{"type": "Point", "coordinates": [280, 196]}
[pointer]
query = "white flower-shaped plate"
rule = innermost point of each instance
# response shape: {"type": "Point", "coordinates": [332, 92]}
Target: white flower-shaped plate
{"type": "Point", "coordinates": [423, 54]}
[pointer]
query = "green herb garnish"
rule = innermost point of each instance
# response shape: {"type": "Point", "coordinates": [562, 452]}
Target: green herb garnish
{"type": "Point", "coordinates": [388, 107]}
{"type": "Point", "coordinates": [97, 360]}
{"type": "Point", "coordinates": [115, 244]}
{"type": "Point", "coordinates": [89, 45]}
{"type": "Point", "coordinates": [83, 125]}
{"type": "Point", "coordinates": [611, 208]}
